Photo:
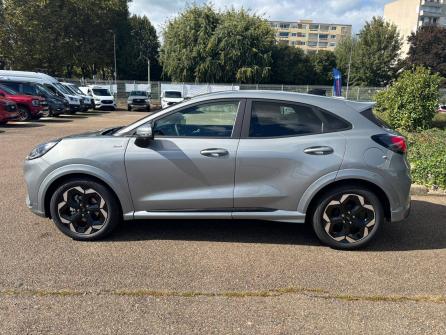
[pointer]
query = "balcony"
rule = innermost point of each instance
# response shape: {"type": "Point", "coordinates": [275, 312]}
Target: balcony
{"type": "Point", "coordinates": [433, 3]}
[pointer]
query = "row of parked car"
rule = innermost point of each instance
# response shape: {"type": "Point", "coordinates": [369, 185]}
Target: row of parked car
{"type": "Point", "coordinates": [30, 95]}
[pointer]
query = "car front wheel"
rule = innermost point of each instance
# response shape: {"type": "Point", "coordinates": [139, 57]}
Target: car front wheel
{"type": "Point", "coordinates": [348, 217]}
{"type": "Point", "coordinates": [85, 209]}
{"type": "Point", "coordinates": [24, 113]}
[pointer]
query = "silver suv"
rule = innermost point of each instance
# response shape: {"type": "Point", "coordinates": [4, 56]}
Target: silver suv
{"type": "Point", "coordinates": [265, 155]}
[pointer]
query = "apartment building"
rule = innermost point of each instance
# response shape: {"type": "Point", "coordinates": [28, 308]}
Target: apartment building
{"type": "Point", "coordinates": [409, 15]}
{"type": "Point", "coordinates": [310, 36]}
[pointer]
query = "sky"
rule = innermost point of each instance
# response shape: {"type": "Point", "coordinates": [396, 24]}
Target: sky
{"type": "Point", "coordinates": [354, 12]}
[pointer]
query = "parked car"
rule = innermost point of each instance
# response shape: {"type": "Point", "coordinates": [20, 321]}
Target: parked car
{"type": "Point", "coordinates": [56, 105]}
{"type": "Point", "coordinates": [29, 107]}
{"type": "Point", "coordinates": [441, 109]}
{"type": "Point", "coordinates": [88, 102]}
{"type": "Point", "coordinates": [102, 97]}
{"type": "Point", "coordinates": [8, 111]}
{"type": "Point", "coordinates": [138, 100]}
{"type": "Point", "coordinates": [169, 98]}
{"type": "Point", "coordinates": [231, 155]}
{"type": "Point", "coordinates": [52, 84]}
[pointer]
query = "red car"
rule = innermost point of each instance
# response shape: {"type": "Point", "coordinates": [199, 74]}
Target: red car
{"type": "Point", "coordinates": [29, 107]}
{"type": "Point", "coordinates": [8, 111]}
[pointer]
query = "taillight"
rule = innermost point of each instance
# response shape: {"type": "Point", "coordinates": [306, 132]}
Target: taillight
{"type": "Point", "coordinates": [392, 142]}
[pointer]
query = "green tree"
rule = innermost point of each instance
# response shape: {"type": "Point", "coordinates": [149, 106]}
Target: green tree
{"type": "Point", "coordinates": [290, 65]}
{"type": "Point", "coordinates": [428, 48]}
{"type": "Point", "coordinates": [204, 45]}
{"type": "Point", "coordinates": [322, 63]}
{"type": "Point", "coordinates": [142, 45]}
{"type": "Point", "coordinates": [375, 58]}
{"type": "Point", "coordinates": [410, 102]}
{"type": "Point", "coordinates": [186, 39]}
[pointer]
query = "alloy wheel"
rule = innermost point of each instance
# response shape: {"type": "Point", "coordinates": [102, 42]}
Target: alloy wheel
{"type": "Point", "coordinates": [84, 211]}
{"type": "Point", "coordinates": [348, 218]}
{"type": "Point", "coordinates": [22, 114]}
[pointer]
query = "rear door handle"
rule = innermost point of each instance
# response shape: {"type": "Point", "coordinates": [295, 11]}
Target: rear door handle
{"type": "Point", "coordinates": [214, 152]}
{"type": "Point", "coordinates": [319, 150]}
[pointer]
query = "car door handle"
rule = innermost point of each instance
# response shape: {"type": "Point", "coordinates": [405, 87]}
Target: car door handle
{"type": "Point", "coordinates": [214, 152]}
{"type": "Point", "coordinates": [319, 150]}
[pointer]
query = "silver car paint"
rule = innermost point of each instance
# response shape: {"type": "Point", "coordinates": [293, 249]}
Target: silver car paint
{"type": "Point", "coordinates": [170, 178]}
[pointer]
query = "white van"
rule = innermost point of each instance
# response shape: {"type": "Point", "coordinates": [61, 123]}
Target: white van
{"type": "Point", "coordinates": [49, 82]}
{"type": "Point", "coordinates": [171, 97]}
{"type": "Point", "coordinates": [101, 95]}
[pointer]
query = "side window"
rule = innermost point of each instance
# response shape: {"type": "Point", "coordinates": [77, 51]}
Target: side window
{"type": "Point", "coordinates": [207, 120]}
{"type": "Point", "coordinates": [333, 122]}
{"type": "Point", "coordinates": [14, 86]}
{"type": "Point", "coordinates": [29, 90]}
{"type": "Point", "coordinates": [275, 119]}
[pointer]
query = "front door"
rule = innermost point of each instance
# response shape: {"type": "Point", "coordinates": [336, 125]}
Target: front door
{"type": "Point", "coordinates": [190, 163]}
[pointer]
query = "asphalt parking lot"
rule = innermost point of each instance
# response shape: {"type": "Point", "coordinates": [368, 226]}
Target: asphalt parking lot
{"type": "Point", "coordinates": [208, 277]}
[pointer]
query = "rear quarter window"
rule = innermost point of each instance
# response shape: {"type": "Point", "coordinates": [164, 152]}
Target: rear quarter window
{"type": "Point", "coordinates": [369, 115]}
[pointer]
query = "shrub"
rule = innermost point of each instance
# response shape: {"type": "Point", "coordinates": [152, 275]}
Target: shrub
{"type": "Point", "coordinates": [427, 157]}
{"type": "Point", "coordinates": [411, 101]}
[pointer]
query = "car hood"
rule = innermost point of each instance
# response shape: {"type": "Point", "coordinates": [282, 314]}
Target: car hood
{"type": "Point", "coordinates": [105, 97]}
{"type": "Point", "coordinates": [94, 133]}
{"type": "Point", "coordinates": [137, 97]}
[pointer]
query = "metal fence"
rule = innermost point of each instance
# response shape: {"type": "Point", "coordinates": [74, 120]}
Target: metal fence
{"type": "Point", "coordinates": [122, 88]}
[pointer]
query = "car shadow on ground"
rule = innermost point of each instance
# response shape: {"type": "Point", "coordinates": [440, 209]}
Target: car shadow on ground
{"type": "Point", "coordinates": [70, 116]}
{"type": "Point", "coordinates": [25, 124]}
{"type": "Point", "coordinates": [425, 229]}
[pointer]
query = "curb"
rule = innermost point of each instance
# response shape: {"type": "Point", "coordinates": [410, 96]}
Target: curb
{"type": "Point", "coordinates": [421, 190]}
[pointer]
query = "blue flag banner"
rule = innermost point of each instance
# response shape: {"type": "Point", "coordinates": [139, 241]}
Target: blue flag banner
{"type": "Point", "coordinates": [337, 83]}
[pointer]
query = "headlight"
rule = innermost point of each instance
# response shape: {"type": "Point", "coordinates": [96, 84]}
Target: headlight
{"type": "Point", "coordinates": [97, 100]}
{"type": "Point", "coordinates": [147, 100]}
{"type": "Point", "coordinates": [41, 149]}
{"type": "Point", "coordinates": [35, 103]}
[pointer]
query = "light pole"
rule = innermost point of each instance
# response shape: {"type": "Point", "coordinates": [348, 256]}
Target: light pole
{"type": "Point", "coordinates": [114, 55]}
{"type": "Point", "coordinates": [349, 67]}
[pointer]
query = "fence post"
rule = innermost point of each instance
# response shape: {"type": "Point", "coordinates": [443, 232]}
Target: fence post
{"type": "Point", "coordinates": [308, 88]}
{"type": "Point", "coordinates": [357, 95]}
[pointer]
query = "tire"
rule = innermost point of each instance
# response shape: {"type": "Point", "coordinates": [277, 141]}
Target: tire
{"type": "Point", "coordinates": [129, 108]}
{"type": "Point", "coordinates": [2, 123]}
{"type": "Point", "coordinates": [24, 113]}
{"type": "Point", "coordinates": [148, 108]}
{"type": "Point", "coordinates": [348, 217]}
{"type": "Point", "coordinates": [72, 205]}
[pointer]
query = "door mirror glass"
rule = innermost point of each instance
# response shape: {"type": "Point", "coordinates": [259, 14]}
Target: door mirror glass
{"type": "Point", "coordinates": [144, 133]}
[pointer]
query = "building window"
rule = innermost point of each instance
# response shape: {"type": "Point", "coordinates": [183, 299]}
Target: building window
{"type": "Point", "coordinates": [324, 27]}
{"type": "Point", "coordinates": [314, 27]}
{"type": "Point", "coordinates": [300, 43]}
{"type": "Point", "coordinates": [301, 26]}
{"type": "Point", "coordinates": [284, 34]}
{"type": "Point", "coordinates": [313, 36]}
{"type": "Point", "coordinates": [332, 44]}
{"type": "Point", "coordinates": [294, 34]}
{"type": "Point", "coordinates": [333, 27]}
{"type": "Point", "coordinates": [323, 44]}
{"type": "Point", "coordinates": [332, 36]}
{"type": "Point", "coordinates": [284, 25]}
{"type": "Point", "coordinates": [312, 44]}
{"type": "Point", "coordinates": [323, 36]}
{"type": "Point", "coordinates": [301, 35]}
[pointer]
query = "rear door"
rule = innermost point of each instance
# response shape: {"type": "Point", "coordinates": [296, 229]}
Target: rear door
{"type": "Point", "coordinates": [284, 148]}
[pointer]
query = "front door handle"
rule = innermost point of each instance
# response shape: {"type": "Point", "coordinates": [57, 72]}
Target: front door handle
{"type": "Point", "coordinates": [319, 150]}
{"type": "Point", "coordinates": [214, 152]}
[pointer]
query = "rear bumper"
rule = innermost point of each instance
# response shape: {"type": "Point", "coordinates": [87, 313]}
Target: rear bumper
{"type": "Point", "coordinates": [401, 213]}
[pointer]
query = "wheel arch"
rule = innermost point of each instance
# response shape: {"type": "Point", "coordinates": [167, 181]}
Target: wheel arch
{"type": "Point", "coordinates": [355, 182]}
{"type": "Point", "coordinates": [73, 176]}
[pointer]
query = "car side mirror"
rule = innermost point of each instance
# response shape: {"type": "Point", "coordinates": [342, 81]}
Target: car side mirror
{"type": "Point", "coordinates": [144, 135]}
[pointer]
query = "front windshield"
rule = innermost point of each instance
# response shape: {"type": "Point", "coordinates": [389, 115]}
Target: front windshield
{"type": "Point", "coordinates": [44, 90]}
{"type": "Point", "coordinates": [172, 94]}
{"type": "Point", "coordinates": [7, 90]}
{"type": "Point", "coordinates": [61, 88]}
{"type": "Point", "coordinates": [101, 92]}
{"type": "Point", "coordinates": [75, 89]}
{"type": "Point", "coordinates": [69, 88]}
{"type": "Point", "coordinates": [138, 93]}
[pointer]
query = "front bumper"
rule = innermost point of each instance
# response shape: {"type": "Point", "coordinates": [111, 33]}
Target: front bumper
{"type": "Point", "coordinates": [75, 108]}
{"type": "Point", "coordinates": [33, 208]}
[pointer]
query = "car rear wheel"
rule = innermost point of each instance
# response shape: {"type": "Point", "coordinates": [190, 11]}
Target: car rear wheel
{"type": "Point", "coordinates": [23, 113]}
{"type": "Point", "coordinates": [85, 209]}
{"type": "Point", "coordinates": [348, 217]}
{"type": "Point", "coordinates": [129, 108]}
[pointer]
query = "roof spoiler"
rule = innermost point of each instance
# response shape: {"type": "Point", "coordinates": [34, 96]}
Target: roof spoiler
{"type": "Point", "coordinates": [361, 106]}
